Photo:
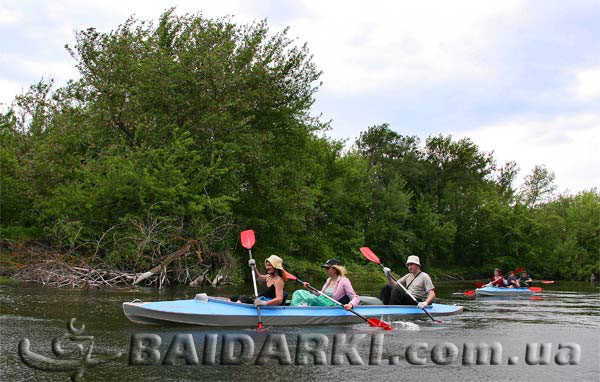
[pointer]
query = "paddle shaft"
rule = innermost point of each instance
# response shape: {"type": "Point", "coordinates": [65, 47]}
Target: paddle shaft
{"type": "Point", "coordinates": [252, 270]}
{"type": "Point", "coordinates": [408, 293]}
{"type": "Point", "coordinates": [332, 300]}
{"type": "Point", "coordinates": [253, 275]}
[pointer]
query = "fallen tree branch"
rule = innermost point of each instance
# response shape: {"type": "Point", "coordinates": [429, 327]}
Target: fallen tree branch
{"type": "Point", "coordinates": [163, 264]}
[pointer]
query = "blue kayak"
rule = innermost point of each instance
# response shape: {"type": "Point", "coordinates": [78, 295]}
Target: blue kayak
{"type": "Point", "coordinates": [218, 312]}
{"type": "Point", "coordinates": [496, 291]}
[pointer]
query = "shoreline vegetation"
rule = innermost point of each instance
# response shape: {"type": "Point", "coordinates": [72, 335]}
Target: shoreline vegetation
{"type": "Point", "coordinates": [179, 135]}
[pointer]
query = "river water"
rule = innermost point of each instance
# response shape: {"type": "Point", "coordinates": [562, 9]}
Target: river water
{"type": "Point", "coordinates": [564, 314]}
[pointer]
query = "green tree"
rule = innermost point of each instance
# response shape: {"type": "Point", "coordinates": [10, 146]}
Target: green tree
{"type": "Point", "coordinates": [193, 117]}
{"type": "Point", "coordinates": [570, 235]}
{"type": "Point", "coordinates": [392, 159]}
{"type": "Point", "coordinates": [537, 187]}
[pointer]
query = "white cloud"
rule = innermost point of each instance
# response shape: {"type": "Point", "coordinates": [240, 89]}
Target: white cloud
{"type": "Point", "coordinates": [9, 16]}
{"type": "Point", "coordinates": [51, 25]}
{"type": "Point", "coordinates": [360, 48]}
{"type": "Point", "coordinates": [106, 15]}
{"type": "Point", "coordinates": [55, 68]}
{"type": "Point", "coordinates": [587, 86]}
{"type": "Point", "coordinates": [59, 68]}
{"type": "Point", "coordinates": [567, 145]}
{"type": "Point", "coordinates": [364, 48]}
{"type": "Point", "coordinates": [9, 90]}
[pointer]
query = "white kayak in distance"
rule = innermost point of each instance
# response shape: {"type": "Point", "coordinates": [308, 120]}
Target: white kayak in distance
{"type": "Point", "coordinates": [216, 312]}
{"type": "Point", "coordinates": [497, 291]}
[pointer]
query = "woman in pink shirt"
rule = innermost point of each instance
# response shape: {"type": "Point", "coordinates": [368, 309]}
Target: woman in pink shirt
{"type": "Point", "coordinates": [337, 286]}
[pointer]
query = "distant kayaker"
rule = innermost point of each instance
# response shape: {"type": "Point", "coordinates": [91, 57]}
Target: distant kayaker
{"type": "Point", "coordinates": [512, 280]}
{"type": "Point", "coordinates": [524, 281]}
{"type": "Point", "coordinates": [272, 293]}
{"type": "Point", "coordinates": [337, 286]}
{"type": "Point", "coordinates": [418, 283]}
{"type": "Point", "coordinates": [497, 279]}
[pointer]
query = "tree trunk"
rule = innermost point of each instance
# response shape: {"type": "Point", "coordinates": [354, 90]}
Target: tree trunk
{"type": "Point", "coordinates": [163, 265]}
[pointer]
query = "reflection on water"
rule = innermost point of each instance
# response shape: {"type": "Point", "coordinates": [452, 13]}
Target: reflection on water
{"type": "Point", "coordinates": [562, 313]}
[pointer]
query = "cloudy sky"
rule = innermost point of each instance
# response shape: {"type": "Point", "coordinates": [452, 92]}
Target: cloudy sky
{"type": "Point", "coordinates": [520, 78]}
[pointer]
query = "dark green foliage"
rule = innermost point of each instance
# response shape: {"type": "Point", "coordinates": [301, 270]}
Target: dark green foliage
{"type": "Point", "coordinates": [198, 128]}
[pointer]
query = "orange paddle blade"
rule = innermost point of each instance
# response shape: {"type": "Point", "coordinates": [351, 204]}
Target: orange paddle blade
{"type": "Point", "coordinates": [366, 251]}
{"type": "Point", "coordinates": [247, 238]}
{"type": "Point", "coordinates": [379, 324]}
{"type": "Point", "coordinates": [290, 276]}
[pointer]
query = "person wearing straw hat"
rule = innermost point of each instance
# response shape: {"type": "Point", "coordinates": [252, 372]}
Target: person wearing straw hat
{"type": "Point", "coordinates": [274, 279]}
{"type": "Point", "coordinates": [417, 282]}
{"type": "Point", "coordinates": [337, 286]}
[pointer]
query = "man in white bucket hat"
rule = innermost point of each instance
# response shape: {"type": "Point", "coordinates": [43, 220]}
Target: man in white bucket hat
{"type": "Point", "coordinates": [417, 283]}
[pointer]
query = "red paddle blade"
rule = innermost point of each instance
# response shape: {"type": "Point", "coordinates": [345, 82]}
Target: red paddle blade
{"type": "Point", "coordinates": [479, 284]}
{"type": "Point", "coordinates": [366, 251]}
{"type": "Point", "coordinates": [259, 326]}
{"type": "Point", "coordinates": [247, 238]}
{"type": "Point", "coordinates": [290, 276]}
{"type": "Point", "coordinates": [535, 289]}
{"type": "Point", "coordinates": [469, 293]}
{"type": "Point", "coordinates": [519, 270]}
{"type": "Point", "coordinates": [379, 324]}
